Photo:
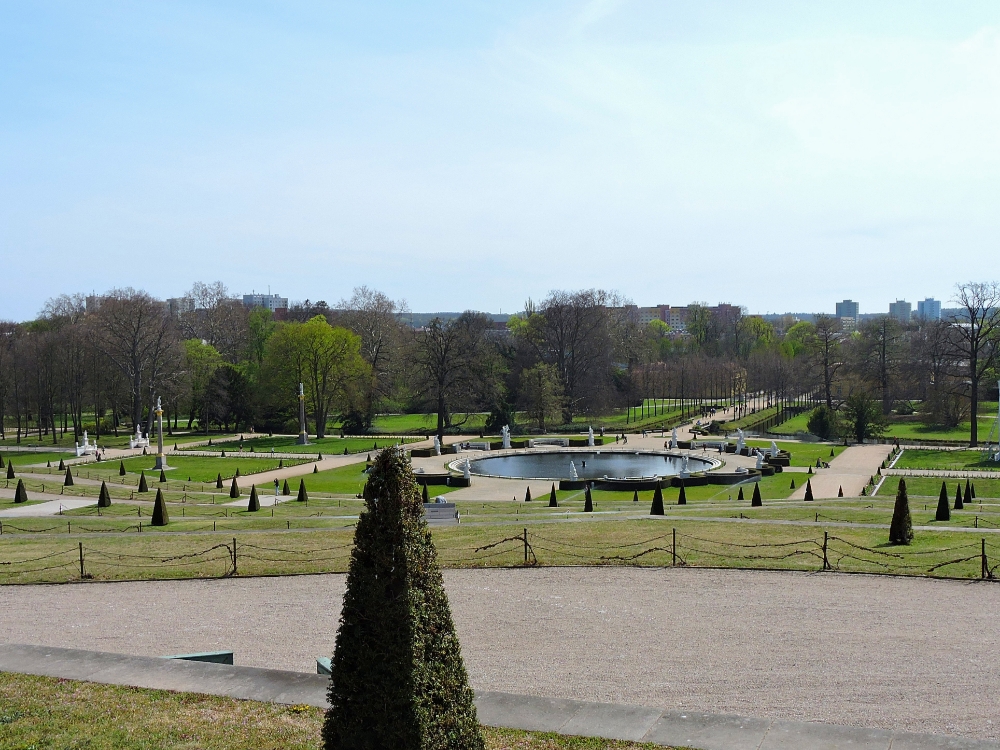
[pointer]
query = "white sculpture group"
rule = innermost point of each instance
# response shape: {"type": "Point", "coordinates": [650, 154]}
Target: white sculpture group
{"type": "Point", "coordinates": [138, 441]}
{"type": "Point", "coordinates": [590, 436]}
{"type": "Point", "coordinates": [505, 433]}
{"type": "Point", "coordinates": [86, 449]}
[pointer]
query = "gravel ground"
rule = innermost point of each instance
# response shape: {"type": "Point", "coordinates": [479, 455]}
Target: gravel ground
{"type": "Point", "coordinates": [900, 653]}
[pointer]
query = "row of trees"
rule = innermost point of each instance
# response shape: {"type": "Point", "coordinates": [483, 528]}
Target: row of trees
{"type": "Point", "coordinates": [101, 363]}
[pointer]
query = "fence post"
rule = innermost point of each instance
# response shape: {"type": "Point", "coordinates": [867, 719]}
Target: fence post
{"type": "Point", "coordinates": [69, 527]}
{"type": "Point", "coordinates": [673, 547]}
{"type": "Point", "coordinates": [986, 565]}
{"type": "Point", "coordinates": [234, 555]}
{"type": "Point", "coordinates": [826, 540]}
{"type": "Point", "coordinates": [81, 559]}
{"type": "Point", "coordinates": [525, 546]}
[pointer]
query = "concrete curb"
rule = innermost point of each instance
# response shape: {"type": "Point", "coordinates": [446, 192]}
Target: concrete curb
{"type": "Point", "coordinates": [692, 729]}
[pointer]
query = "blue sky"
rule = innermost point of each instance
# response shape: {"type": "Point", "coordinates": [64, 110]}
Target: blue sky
{"type": "Point", "coordinates": [780, 155]}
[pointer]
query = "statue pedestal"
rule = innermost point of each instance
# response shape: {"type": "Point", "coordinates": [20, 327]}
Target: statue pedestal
{"type": "Point", "coordinates": [161, 462]}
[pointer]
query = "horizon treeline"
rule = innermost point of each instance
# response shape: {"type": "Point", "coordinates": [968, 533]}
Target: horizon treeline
{"type": "Point", "coordinates": [99, 363]}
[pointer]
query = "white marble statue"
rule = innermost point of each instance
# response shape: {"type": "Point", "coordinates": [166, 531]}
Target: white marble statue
{"type": "Point", "coordinates": [760, 460]}
{"type": "Point", "coordinates": [138, 441]}
{"type": "Point", "coordinates": [572, 472]}
{"type": "Point", "coordinates": [685, 470]}
{"type": "Point", "coordinates": [740, 441]}
{"type": "Point", "coordinates": [505, 432]}
{"type": "Point", "coordinates": [590, 436]}
{"type": "Point", "coordinates": [774, 449]}
{"type": "Point", "coordinates": [673, 439]}
{"type": "Point", "coordinates": [465, 470]}
{"type": "Point", "coordinates": [86, 449]}
{"type": "Point", "coordinates": [437, 446]}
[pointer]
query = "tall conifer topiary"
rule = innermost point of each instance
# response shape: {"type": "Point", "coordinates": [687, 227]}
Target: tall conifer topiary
{"type": "Point", "coordinates": [840, 491]}
{"type": "Point", "coordinates": [967, 497]}
{"type": "Point", "coordinates": [397, 676]}
{"type": "Point", "coordinates": [682, 495]}
{"type": "Point", "coordinates": [809, 490]}
{"type": "Point", "coordinates": [901, 528]}
{"type": "Point", "coordinates": [218, 481]}
{"type": "Point", "coordinates": [160, 515]}
{"type": "Point", "coordinates": [1, 461]}
{"type": "Point", "coordinates": [425, 496]}
{"type": "Point", "coordinates": [10, 469]}
{"type": "Point", "coordinates": [973, 491]}
{"type": "Point", "coordinates": [958, 497]}
{"type": "Point", "coordinates": [943, 511]}
{"type": "Point", "coordinates": [740, 496]}
{"type": "Point", "coordinates": [62, 465]}
{"type": "Point", "coordinates": [20, 494]}
{"type": "Point", "coordinates": [254, 505]}
{"type": "Point", "coordinates": [792, 485]}
{"type": "Point", "coordinates": [104, 499]}
{"type": "Point", "coordinates": [635, 496]}
{"type": "Point", "coordinates": [234, 489]}
{"type": "Point", "coordinates": [121, 468]}
{"type": "Point", "coordinates": [553, 502]}
{"type": "Point", "coordinates": [656, 509]}
{"type": "Point", "coordinates": [285, 490]}
{"type": "Point", "coordinates": [163, 476]}
{"type": "Point", "coordinates": [68, 479]}
{"type": "Point", "coordinates": [756, 501]}
{"type": "Point", "coordinates": [303, 496]}
{"type": "Point", "coordinates": [588, 501]}
{"type": "Point", "coordinates": [143, 487]}
{"type": "Point", "coordinates": [527, 494]}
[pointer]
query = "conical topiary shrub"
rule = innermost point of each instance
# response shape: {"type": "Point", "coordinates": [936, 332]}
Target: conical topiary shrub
{"type": "Point", "coordinates": [303, 496]}
{"type": "Point", "coordinates": [635, 496]}
{"type": "Point", "coordinates": [527, 494]}
{"type": "Point", "coordinates": [740, 496]}
{"type": "Point", "coordinates": [237, 472]}
{"type": "Point", "coordinates": [553, 503]}
{"type": "Point", "coordinates": [254, 505]}
{"type": "Point", "coordinates": [315, 469]}
{"type": "Point", "coordinates": [682, 496]}
{"type": "Point", "coordinates": [104, 499]}
{"type": "Point", "coordinates": [840, 491]}
{"type": "Point", "coordinates": [398, 680]}
{"type": "Point", "coordinates": [1, 461]}
{"type": "Point", "coordinates": [285, 490]}
{"type": "Point", "coordinates": [756, 501]}
{"type": "Point", "coordinates": [163, 475]}
{"type": "Point", "coordinates": [121, 468]}
{"type": "Point", "coordinates": [48, 464]}
{"type": "Point", "coordinates": [809, 490]}
{"type": "Point", "coordinates": [160, 515]}
{"type": "Point", "coordinates": [10, 469]}
{"type": "Point", "coordinates": [425, 495]}
{"type": "Point", "coordinates": [218, 481]}
{"type": "Point", "coordinates": [943, 511]}
{"type": "Point", "coordinates": [832, 453]}
{"type": "Point", "coordinates": [973, 491]}
{"type": "Point", "coordinates": [901, 528]}
{"type": "Point", "coordinates": [588, 501]}
{"type": "Point", "coordinates": [792, 485]}
{"type": "Point", "coordinates": [967, 497]}
{"type": "Point", "coordinates": [281, 463]}
{"type": "Point", "coordinates": [20, 494]}
{"type": "Point", "coordinates": [143, 487]}
{"type": "Point", "coordinates": [62, 465]}
{"type": "Point", "coordinates": [68, 479]}
{"type": "Point", "coordinates": [234, 489]}
{"type": "Point", "coordinates": [656, 509]}
{"type": "Point", "coordinates": [810, 470]}
{"type": "Point", "coordinates": [958, 497]}
{"type": "Point", "coordinates": [864, 492]}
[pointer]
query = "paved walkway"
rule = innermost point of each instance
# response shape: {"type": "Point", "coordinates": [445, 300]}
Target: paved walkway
{"type": "Point", "coordinates": [850, 470]}
{"type": "Point", "coordinates": [50, 508]}
{"type": "Point", "coordinates": [866, 651]}
{"type": "Point", "coordinates": [656, 725]}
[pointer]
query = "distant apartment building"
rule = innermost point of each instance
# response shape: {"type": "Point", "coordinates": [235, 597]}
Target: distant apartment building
{"type": "Point", "coordinates": [271, 301]}
{"type": "Point", "coordinates": [180, 305]}
{"type": "Point", "coordinates": [900, 310]}
{"type": "Point", "coordinates": [929, 309]}
{"type": "Point", "coordinates": [646, 315]}
{"type": "Point", "coordinates": [848, 309]}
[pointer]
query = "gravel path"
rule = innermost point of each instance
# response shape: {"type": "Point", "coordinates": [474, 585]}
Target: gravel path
{"type": "Point", "coordinates": [896, 653]}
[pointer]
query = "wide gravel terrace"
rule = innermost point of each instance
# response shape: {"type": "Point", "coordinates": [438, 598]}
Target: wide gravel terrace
{"type": "Point", "coordinates": [896, 653]}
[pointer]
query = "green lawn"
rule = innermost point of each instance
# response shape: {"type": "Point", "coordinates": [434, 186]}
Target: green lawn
{"type": "Point", "coordinates": [751, 419]}
{"type": "Point", "coordinates": [793, 426]}
{"type": "Point", "coordinates": [45, 712]}
{"type": "Point", "coordinates": [288, 444]}
{"type": "Point", "coordinates": [915, 430]}
{"type": "Point", "coordinates": [30, 458]}
{"type": "Point", "coordinates": [804, 454]}
{"type": "Point", "coordinates": [931, 486]}
{"type": "Point", "coordinates": [67, 441]}
{"type": "Point", "coordinates": [200, 468]}
{"type": "Point", "coordinates": [961, 460]}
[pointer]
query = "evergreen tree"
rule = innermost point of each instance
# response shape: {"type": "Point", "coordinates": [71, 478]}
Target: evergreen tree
{"type": "Point", "coordinates": [104, 499]}
{"type": "Point", "coordinates": [840, 491]}
{"type": "Point", "coordinates": [740, 496]}
{"type": "Point", "coordinates": [234, 489]}
{"type": "Point", "coordinates": [792, 486]}
{"type": "Point", "coordinates": [163, 475]}
{"type": "Point", "coordinates": [901, 528]}
{"type": "Point", "coordinates": [254, 505]}
{"type": "Point", "coordinates": [121, 468]}
{"type": "Point", "coordinates": [398, 680]}
{"type": "Point", "coordinates": [218, 482]}
{"type": "Point", "coordinates": [68, 480]}
{"type": "Point", "coordinates": [527, 494]}
{"type": "Point", "coordinates": [682, 496]}
{"type": "Point", "coordinates": [588, 501]}
{"type": "Point", "coordinates": [809, 490]}
{"type": "Point", "coordinates": [967, 497]}
{"type": "Point", "coordinates": [553, 503]}
{"type": "Point", "coordinates": [160, 515]}
{"type": "Point", "coordinates": [656, 509]}
{"type": "Point", "coordinates": [425, 495]}
{"type": "Point", "coordinates": [973, 491]}
{"type": "Point", "coordinates": [315, 468]}
{"type": "Point", "coordinates": [237, 472]}
{"type": "Point", "coordinates": [756, 501]}
{"type": "Point", "coordinates": [62, 465]}
{"type": "Point", "coordinates": [303, 496]}
{"type": "Point", "coordinates": [143, 487]}
{"type": "Point", "coordinates": [943, 511]}
{"type": "Point", "coordinates": [958, 497]}
{"type": "Point", "coordinates": [20, 494]}
{"type": "Point", "coordinates": [285, 490]}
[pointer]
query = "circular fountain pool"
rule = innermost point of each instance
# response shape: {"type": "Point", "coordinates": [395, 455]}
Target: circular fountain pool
{"type": "Point", "coordinates": [594, 465]}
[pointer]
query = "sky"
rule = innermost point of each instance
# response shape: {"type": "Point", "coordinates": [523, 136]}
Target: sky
{"type": "Point", "coordinates": [777, 155]}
